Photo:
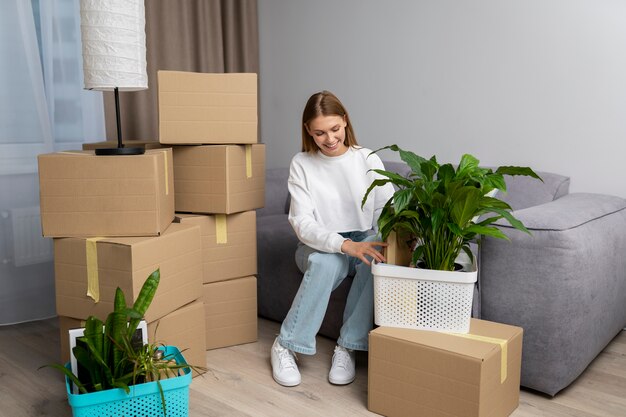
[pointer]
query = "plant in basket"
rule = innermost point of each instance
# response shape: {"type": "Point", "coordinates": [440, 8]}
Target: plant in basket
{"type": "Point", "coordinates": [111, 363]}
{"type": "Point", "coordinates": [434, 214]}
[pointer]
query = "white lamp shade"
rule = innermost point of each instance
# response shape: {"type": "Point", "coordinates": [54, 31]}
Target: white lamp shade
{"type": "Point", "coordinates": [114, 44]}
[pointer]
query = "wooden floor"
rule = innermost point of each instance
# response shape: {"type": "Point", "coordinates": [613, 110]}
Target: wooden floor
{"type": "Point", "coordinates": [240, 384]}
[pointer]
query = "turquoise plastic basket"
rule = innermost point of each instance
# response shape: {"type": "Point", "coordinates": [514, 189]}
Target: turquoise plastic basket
{"type": "Point", "coordinates": [143, 399]}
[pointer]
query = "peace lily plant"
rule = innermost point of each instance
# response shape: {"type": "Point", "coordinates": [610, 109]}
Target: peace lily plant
{"type": "Point", "coordinates": [442, 208]}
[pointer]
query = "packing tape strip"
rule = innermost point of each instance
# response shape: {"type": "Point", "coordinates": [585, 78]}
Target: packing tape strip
{"type": "Point", "coordinates": [248, 161]}
{"type": "Point", "coordinates": [167, 185]}
{"type": "Point", "coordinates": [221, 231]}
{"type": "Point", "coordinates": [93, 285]}
{"type": "Point", "coordinates": [495, 340]}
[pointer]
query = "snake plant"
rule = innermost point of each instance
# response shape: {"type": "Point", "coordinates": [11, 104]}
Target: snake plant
{"type": "Point", "coordinates": [107, 356]}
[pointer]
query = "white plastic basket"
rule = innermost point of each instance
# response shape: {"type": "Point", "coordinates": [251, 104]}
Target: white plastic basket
{"type": "Point", "coordinates": [423, 299]}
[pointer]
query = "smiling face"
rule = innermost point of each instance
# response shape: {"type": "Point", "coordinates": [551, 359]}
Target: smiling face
{"type": "Point", "coordinates": [329, 134]}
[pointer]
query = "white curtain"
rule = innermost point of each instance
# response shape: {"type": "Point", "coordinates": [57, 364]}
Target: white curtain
{"type": "Point", "coordinates": [43, 108]}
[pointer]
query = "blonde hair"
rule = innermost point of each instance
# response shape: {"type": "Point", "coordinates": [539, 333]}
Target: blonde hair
{"type": "Point", "coordinates": [324, 103]}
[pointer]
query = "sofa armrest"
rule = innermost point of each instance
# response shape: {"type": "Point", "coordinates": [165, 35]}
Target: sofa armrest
{"type": "Point", "coordinates": [565, 284]}
{"type": "Point", "coordinates": [567, 212]}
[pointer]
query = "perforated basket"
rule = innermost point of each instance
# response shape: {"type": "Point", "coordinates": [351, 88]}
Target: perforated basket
{"type": "Point", "coordinates": [144, 399]}
{"type": "Point", "coordinates": [423, 299]}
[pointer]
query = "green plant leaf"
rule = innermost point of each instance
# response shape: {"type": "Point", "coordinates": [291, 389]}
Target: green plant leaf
{"type": "Point", "coordinates": [445, 173]}
{"type": "Point", "coordinates": [122, 385]}
{"type": "Point", "coordinates": [417, 254]}
{"type": "Point", "coordinates": [401, 199]}
{"type": "Point", "coordinates": [397, 179]}
{"type": "Point", "coordinates": [146, 294]}
{"type": "Point", "coordinates": [485, 230]}
{"type": "Point", "coordinates": [489, 220]}
{"type": "Point", "coordinates": [492, 181]}
{"type": "Point", "coordinates": [512, 220]}
{"type": "Point", "coordinates": [68, 374]}
{"type": "Point", "coordinates": [94, 332]}
{"type": "Point", "coordinates": [488, 203]}
{"type": "Point", "coordinates": [429, 169]}
{"type": "Point", "coordinates": [467, 165]}
{"type": "Point", "coordinates": [374, 184]}
{"type": "Point", "coordinates": [119, 329]}
{"type": "Point", "coordinates": [454, 228]}
{"type": "Point", "coordinates": [465, 204]}
{"type": "Point", "coordinates": [411, 159]}
{"type": "Point", "coordinates": [468, 252]}
{"type": "Point", "coordinates": [437, 218]}
{"type": "Point", "coordinates": [514, 170]}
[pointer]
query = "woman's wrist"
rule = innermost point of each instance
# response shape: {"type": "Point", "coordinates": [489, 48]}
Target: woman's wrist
{"type": "Point", "coordinates": [343, 244]}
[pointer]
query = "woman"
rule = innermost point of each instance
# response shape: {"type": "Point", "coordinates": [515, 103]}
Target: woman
{"type": "Point", "coordinates": [327, 182]}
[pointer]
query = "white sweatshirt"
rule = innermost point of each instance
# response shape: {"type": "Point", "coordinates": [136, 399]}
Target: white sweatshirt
{"type": "Point", "coordinates": [326, 194]}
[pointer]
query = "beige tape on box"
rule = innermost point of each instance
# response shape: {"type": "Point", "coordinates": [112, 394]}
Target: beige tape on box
{"type": "Point", "coordinates": [167, 185]}
{"type": "Point", "coordinates": [248, 161]}
{"type": "Point", "coordinates": [221, 231]}
{"type": "Point", "coordinates": [495, 340]}
{"type": "Point", "coordinates": [93, 285]}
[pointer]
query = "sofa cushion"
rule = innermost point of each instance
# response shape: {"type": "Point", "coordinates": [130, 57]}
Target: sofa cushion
{"type": "Point", "coordinates": [523, 192]}
{"type": "Point", "coordinates": [278, 275]}
{"type": "Point", "coordinates": [567, 212]}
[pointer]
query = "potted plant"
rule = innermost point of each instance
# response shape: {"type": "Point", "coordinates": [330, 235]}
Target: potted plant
{"type": "Point", "coordinates": [119, 376]}
{"type": "Point", "coordinates": [435, 212]}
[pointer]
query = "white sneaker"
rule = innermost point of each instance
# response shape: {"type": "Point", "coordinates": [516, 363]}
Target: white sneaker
{"type": "Point", "coordinates": [284, 368]}
{"type": "Point", "coordinates": [342, 370]}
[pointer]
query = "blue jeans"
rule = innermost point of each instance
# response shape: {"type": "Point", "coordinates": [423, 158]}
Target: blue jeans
{"type": "Point", "coordinates": [323, 272]}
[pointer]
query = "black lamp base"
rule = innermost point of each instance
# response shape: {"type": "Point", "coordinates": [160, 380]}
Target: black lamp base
{"type": "Point", "coordinates": [120, 151]}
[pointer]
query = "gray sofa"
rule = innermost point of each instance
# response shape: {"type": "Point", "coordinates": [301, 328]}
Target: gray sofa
{"type": "Point", "coordinates": [565, 284]}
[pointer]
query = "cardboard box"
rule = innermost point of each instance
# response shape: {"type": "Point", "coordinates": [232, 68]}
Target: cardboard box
{"type": "Point", "coordinates": [230, 312]}
{"type": "Point", "coordinates": [221, 179]}
{"type": "Point", "coordinates": [126, 263]}
{"type": "Point", "coordinates": [228, 244]}
{"type": "Point", "coordinates": [146, 144]}
{"type": "Point", "coordinates": [398, 252]}
{"type": "Point", "coordinates": [197, 108]}
{"type": "Point", "coordinates": [183, 328]}
{"type": "Point", "coordinates": [425, 373]}
{"type": "Point", "coordinates": [86, 195]}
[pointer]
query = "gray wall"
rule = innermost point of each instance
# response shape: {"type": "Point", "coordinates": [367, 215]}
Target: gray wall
{"type": "Point", "coordinates": [536, 82]}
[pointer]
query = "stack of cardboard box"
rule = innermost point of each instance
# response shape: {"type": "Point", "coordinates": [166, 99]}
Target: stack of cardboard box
{"type": "Point", "coordinates": [114, 222]}
{"type": "Point", "coordinates": [111, 220]}
{"type": "Point", "coordinates": [219, 180]}
{"type": "Point", "coordinates": [210, 122]}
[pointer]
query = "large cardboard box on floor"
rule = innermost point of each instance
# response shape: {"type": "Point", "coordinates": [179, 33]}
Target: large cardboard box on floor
{"type": "Point", "coordinates": [183, 328]}
{"type": "Point", "coordinates": [196, 108]}
{"type": "Point", "coordinates": [221, 179]}
{"type": "Point", "coordinates": [145, 144]}
{"type": "Point", "coordinates": [82, 194]}
{"type": "Point", "coordinates": [230, 312]}
{"type": "Point", "coordinates": [434, 374]}
{"type": "Point", "coordinates": [228, 244]}
{"type": "Point", "coordinates": [101, 265]}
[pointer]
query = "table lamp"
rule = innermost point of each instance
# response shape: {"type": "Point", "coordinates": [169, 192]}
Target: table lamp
{"type": "Point", "coordinates": [114, 54]}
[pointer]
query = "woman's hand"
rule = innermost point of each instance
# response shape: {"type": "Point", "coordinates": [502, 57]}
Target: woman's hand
{"type": "Point", "coordinates": [361, 249]}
